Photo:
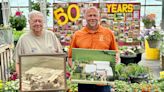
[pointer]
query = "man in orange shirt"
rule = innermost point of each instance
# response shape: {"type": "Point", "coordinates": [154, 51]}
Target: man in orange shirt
{"type": "Point", "coordinates": [92, 36]}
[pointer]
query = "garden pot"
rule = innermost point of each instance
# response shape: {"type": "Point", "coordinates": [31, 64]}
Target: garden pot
{"type": "Point", "coordinates": [148, 25]}
{"type": "Point", "coordinates": [15, 43]}
{"type": "Point", "coordinates": [138, 58]}
{"type": "Point", "coordinates": [78, 69]}
{"type": "Point", "coordinates": [127, 60]}
{"type": "Point", "coordinates": [139, 79]}
{"type": "Point", "coordinates": [20, 28]}
{"type": "Point", "coordinates": [153, 44]}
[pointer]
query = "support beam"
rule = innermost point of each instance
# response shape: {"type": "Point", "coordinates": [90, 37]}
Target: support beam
{"type": "Point", "coordinates": [162, 24]}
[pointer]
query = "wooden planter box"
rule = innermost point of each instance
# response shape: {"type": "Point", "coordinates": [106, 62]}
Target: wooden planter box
{"type": "Point", "coordinates": [42, 73]}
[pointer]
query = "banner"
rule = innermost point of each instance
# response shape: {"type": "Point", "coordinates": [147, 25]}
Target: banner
{"type": "Point", "coordinates": [122, 18]}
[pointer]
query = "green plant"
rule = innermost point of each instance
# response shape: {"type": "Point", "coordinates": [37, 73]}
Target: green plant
{"type": "Point", "coordinates": [18, 21]}
{"type": "Point", "coordinates": [121, 86]}
{"type": "Point", "coordinates": [159, 84]}
{"type": "Point", "coordinates": [135, 87]}
{"type": "Point", "coordinates": [36, 6]}
{"type": "Point", "coordinates": [73, 87]}
{"type": "Point", "coordinates": [17, 34]}
{"type": "Point", "coordinates": [135, 70]}
{"type": "Point", "coordinates": [120, 73]}
{"type": "Point", "coordinates": [9, 86]}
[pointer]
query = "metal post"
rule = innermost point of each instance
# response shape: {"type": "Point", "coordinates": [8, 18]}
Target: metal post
{"type": "Point", "coordinates": [162, 24]}
{"type": "Point", "coordinates": [145, 8]}
{"type": "Point", "coordinates": [43, 9]}
{"type": "Point", "coordinates": [29, 1]}
{"type": "Point", "coordinates": [5, 11]}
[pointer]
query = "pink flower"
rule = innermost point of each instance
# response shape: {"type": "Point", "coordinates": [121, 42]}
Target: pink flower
{"type": "Point", "coordinates": [18, 13]}
{"type": "Point", "coordinates": [67, 74]}
{"type": "Point", "coordinates": [14, 76]}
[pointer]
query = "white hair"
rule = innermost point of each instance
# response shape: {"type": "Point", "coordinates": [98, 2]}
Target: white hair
{"type": "Point", "coordinates": [34, 13]}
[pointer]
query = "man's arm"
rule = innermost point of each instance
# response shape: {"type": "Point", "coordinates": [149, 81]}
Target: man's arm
{"type": "Point", "coordinates": [72, 45]}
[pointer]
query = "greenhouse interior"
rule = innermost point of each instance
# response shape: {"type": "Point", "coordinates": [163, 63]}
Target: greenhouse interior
{"type": "Point", "coordinates": [120, 42]}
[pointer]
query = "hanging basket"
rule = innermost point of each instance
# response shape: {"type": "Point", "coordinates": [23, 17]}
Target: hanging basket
{"type": "Point", "coordinates": [154, 44]}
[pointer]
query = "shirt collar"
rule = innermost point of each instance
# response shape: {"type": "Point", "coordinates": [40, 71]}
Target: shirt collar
{"type": "Point", "coordinates": [89, 31]}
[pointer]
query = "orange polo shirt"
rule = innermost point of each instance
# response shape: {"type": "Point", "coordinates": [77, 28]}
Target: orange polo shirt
{"type": "Point", "coordinates": [102, 39]}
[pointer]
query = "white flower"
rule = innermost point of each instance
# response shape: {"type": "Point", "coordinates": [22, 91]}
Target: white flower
{"type": "Point", "coordinates": [146, 37]}
{"type": "Point", "coordinates": [151, 32]}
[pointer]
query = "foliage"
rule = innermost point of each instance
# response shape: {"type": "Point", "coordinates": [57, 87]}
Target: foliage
{"type": "Point", "coordinates": [120, 73]}
{"type": "Point", "coordinates": [36, 6]}
{"type": "Point", "coordinates": [151, 34]}
{"type": "Point", "coordinates": [133, 70]}
{"type": "Point", "coordinates": [17, 34]}
{"type": "Point", "coordinates": [18, 20]}
{"type": "Point", "coordinates": [160, 84]}
{"type": "Point", "coordinates": [136, 70]}
{"type": "Point", "coordinates": [121, 86]}
{"type": "Point", "coordinates": [149, 20]}
{"type": "Point", "coordinates": [9, 86]}
{"type": "Point", "coordinates": [73, 87]}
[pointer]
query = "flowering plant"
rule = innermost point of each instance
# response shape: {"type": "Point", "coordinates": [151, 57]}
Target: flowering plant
{"type": "Point", "coordinates": [151, 34]}
{"type": "Point", "coordinates": [18, 21]}
{"type": "Point", "coordinates": [149, 20]}
{"type": "Point", "coordinates": [130, 50]}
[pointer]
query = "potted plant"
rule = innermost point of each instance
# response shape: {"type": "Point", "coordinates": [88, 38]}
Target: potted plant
{"type": "Point", "coordinates": [130, 54]}
{"type": "Point", "coordinates": [148, 20]}
{"type": "Point", "coordinates": [18, 21]}
{"type": "Point", "coordinates": [137, 73]}
{"type": "Point", "coordinates": [153, 36]}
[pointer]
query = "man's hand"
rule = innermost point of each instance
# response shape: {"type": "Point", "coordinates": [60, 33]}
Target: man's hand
{"type": "Point", "coordinates": [117, 57]}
